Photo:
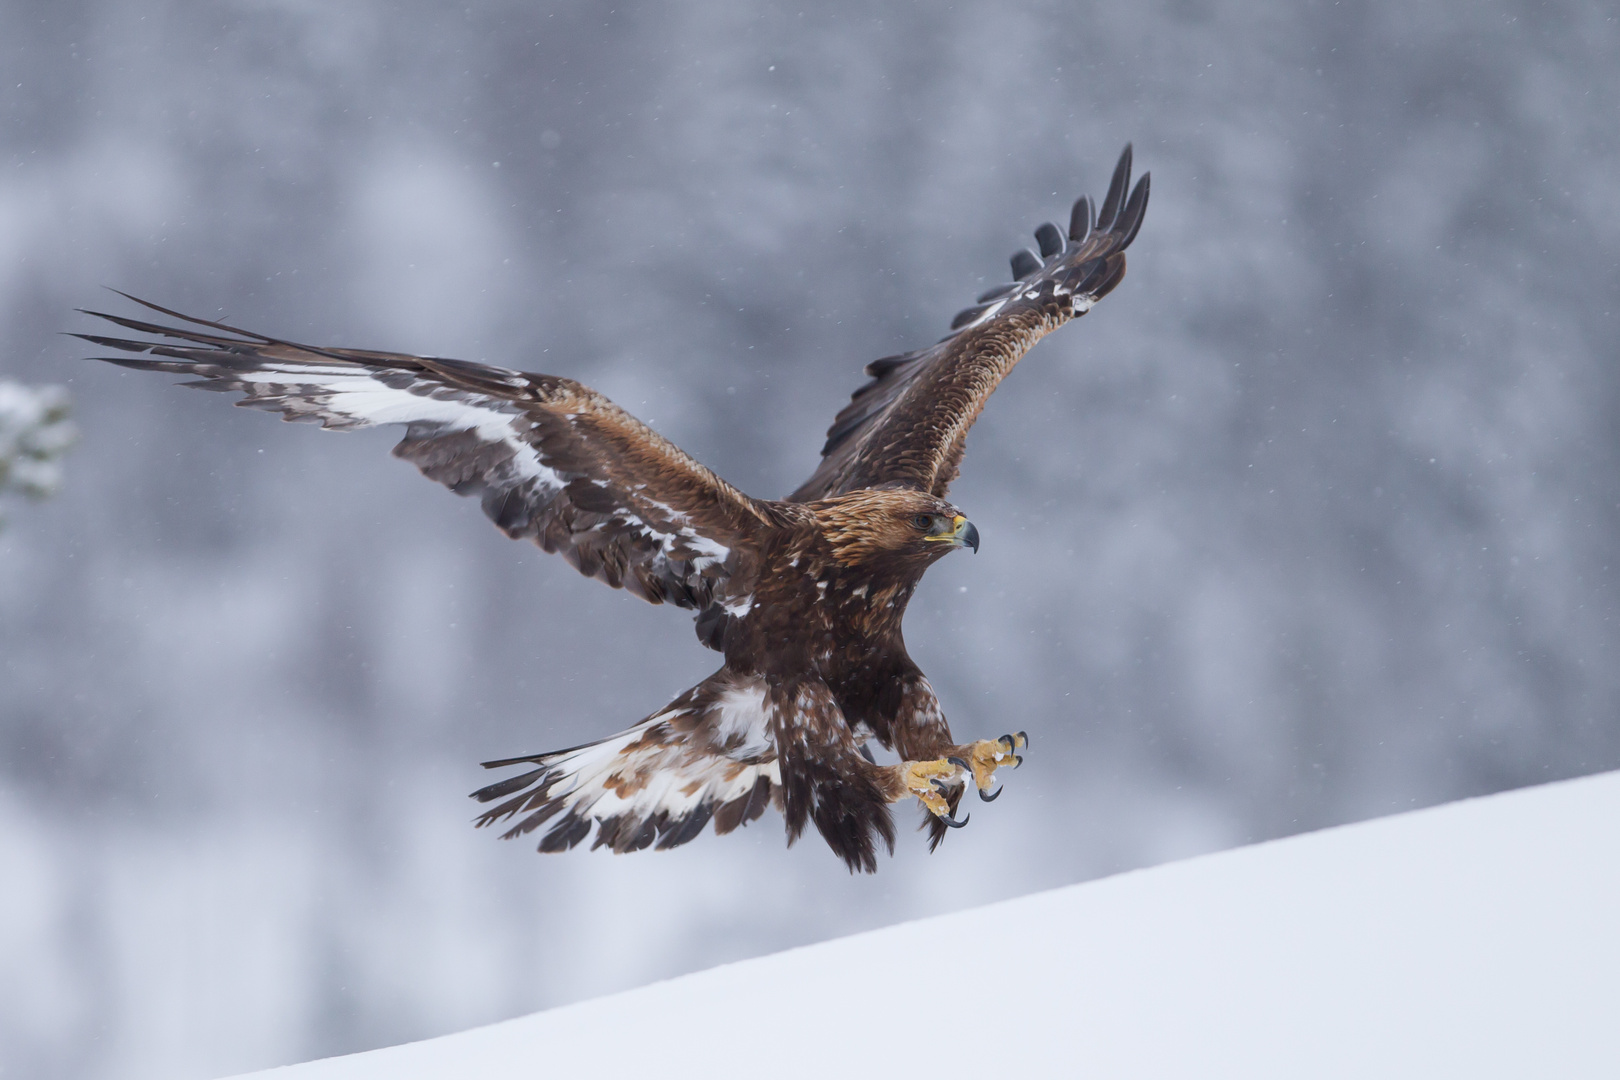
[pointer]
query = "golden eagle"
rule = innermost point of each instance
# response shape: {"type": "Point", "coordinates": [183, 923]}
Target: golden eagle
{"type": "Point", "coordinates": [803, 596]}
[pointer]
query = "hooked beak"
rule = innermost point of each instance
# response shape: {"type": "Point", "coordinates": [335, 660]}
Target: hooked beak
{"type": "Point", "coordinates": [966, 534]}
{"type": "Point", "coordinates": [961, 534]}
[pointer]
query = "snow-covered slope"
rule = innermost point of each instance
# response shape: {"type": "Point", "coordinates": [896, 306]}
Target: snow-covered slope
{"type": "Point", "coordinates": [1476, 939]}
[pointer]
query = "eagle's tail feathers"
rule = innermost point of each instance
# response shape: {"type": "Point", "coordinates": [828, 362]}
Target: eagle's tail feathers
{"type": "Point", "coordinates": [849, 810]}
{"type": "Point", "coordinates": [705, 757]}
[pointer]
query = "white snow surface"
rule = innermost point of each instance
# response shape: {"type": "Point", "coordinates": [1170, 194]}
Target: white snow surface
{"type": "Point", "coordinates": [1480, 939]}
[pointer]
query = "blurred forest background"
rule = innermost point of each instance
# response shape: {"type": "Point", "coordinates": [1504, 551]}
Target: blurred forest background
{"type": "Point", "coordinates": [1314, 519]}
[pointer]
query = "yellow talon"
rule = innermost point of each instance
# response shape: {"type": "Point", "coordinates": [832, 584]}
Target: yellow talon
{"type": "Point", "coordinates": [926, 779]}
{"type": "Point", "coordinates": [988, 755]}
{"type": "Point", "coordinates": [920, 779]}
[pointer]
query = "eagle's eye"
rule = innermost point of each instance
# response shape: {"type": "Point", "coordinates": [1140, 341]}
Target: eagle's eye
{"type": "Point", "coordinates": [923, 522]}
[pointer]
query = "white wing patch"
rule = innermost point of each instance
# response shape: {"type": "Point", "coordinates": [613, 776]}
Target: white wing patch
{"type": "Point", "coordinates": [742, 721]}
{"type": "Point", "coordinates": [346, 397]}
{"type": "Point", "coordinates": [682, 543]}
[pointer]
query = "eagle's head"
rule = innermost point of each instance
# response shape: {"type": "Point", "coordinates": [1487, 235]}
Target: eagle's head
{"type": "Point", "coordinates": [907, 529]}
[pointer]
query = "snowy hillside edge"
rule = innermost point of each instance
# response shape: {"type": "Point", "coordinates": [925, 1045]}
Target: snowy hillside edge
{"type": "Point", "coordinates": [1480, 938]}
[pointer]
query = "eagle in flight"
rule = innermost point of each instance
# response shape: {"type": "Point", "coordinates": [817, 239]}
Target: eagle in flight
{"type": "Point", "coordinates": [803, 596]}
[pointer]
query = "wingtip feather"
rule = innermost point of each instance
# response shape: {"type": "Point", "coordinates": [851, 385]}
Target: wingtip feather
{"type": "Point", "coordinates": [1081, 217]}
{"type": "Point", "coordinates": [1050, 239]}
{"type": "Point", "coordinates": [1135, 210]}
{"type": "Point", "coordinates": [1024, 263]}
{"type": "Point", "coordinates": [1116, 191]}
{"type": "Point", "coordinates": [194, 320]}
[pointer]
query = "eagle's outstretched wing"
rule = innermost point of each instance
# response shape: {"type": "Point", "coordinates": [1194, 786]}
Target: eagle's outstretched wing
{"type": "Point", "coordinates": [550, 459]}
{"type": "Point", "coordinates": [908, 425]}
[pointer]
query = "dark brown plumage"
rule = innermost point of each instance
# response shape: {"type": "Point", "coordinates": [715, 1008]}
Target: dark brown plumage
{"type": "Point", "coordinates": [803, 596]}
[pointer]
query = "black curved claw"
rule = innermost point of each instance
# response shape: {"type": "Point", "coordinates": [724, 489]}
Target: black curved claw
{"type": "Point", "coordinates": [952, 822]}
{"type": "Point", "coordinates": [1018, 759]}
{"type": "Point", "coordinates": [1025, 737]}
{"type": "Point", "coordinates": [960, 764]}
{"type": "Point", "coordinates": [991, 798]}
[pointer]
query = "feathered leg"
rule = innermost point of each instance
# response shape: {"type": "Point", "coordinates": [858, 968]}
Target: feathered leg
{"type": "Point", "coordinates": [825, 780]}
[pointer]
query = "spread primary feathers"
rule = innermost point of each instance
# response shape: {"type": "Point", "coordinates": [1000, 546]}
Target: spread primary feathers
{"type": "Point", "coordinates": [803, 596]}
